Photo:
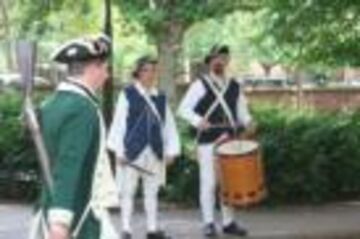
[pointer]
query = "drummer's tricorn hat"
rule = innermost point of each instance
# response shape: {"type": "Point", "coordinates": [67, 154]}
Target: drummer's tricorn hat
{"type": "Point", "coordinates": [215, 51]}
{"type": "Point", "coordinates": [83, 49]}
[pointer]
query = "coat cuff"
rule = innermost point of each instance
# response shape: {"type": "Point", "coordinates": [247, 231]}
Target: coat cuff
{"type": "Point", "coordinates": [61, 216]}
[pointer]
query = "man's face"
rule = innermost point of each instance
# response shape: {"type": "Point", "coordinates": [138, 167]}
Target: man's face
{"type": "Point", "coordinates": [148, 74]}
{"type": "Point", "coordinates": [98, 70]}
{"type": "Point", "coordinates": [219, 63]}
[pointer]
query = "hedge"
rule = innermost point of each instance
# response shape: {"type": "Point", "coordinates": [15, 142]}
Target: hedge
{"type": "Point", "coordinates": [18, 167]}
{"type": "Point", "coordinates": [309, 156]}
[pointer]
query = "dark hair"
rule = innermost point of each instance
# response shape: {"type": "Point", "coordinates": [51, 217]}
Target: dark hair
{"type": "Point", "coordinates": [76, 68]}
{"type": "Point", "coordinates": [215, 51]}
{"type": "Point", "coordinates": [141, 62]}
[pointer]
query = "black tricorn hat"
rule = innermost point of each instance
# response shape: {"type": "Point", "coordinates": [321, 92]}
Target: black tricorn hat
{"type": "Point", "coordinates": [215, 51]}
{"type": "Point", "coordinates": [83, 49]}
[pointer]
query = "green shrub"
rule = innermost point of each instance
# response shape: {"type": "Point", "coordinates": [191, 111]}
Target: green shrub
{"type": "Point", "coordinates": [18, 167]}
{"type": "Point", "coordinates": [183, 180]}
{"type": "Point", "coordinates": [309, 157]}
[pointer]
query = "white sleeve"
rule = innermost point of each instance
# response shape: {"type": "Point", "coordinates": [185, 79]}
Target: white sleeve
{"type": "Point", "coordinates": [171, 135]}
{"type": "Point", "coordinates": [186, 109]}
{"type": "Point", "coordinates": [243, 113]}
{"type": "Point", "coordinates": [117, 130]}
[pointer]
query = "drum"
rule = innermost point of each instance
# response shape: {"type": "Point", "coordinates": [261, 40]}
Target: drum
{"type": "Point", "coordinates": [240, 172]}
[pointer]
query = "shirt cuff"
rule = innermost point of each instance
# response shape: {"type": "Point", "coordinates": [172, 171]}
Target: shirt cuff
{"type": "Point", "coordinates": [196, 120]}
{"type": "Point", "coordinates": [247, 121]}
{"type": "Point", "coordinates": [172, 153]}
{"type": "Point", "coordinates": [61, 216]}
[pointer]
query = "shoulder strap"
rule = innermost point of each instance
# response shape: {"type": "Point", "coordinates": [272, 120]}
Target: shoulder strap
{"type": "Point", "coordinates": [82, 220]}
{"type": "Point", "coordinates": [151, 105]}
{"type": "Point", "coordinates": [219, 100]}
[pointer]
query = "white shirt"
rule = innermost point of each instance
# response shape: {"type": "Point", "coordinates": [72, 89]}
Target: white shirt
{"type": "Point", "coordinates": [197, 91]}
{"type": "Point", "coordinates": [119, 126]}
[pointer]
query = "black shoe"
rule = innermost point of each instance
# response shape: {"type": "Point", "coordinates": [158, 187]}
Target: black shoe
{"type": "Point", "coordinates": [126, 235]}
{"type": "Point", "coordinates": [235, 230]}
{"type": "Point", "coordinates": [210, 230]}
{"type": "Point", "coordinates": [158, 235]}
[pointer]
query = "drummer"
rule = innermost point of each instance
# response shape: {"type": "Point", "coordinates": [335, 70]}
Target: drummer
{"type": "Point", "coordinates": [216, 108]}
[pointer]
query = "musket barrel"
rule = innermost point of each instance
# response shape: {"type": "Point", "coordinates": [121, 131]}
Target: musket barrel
{"type": "Point", "coordinates": [26, 58]}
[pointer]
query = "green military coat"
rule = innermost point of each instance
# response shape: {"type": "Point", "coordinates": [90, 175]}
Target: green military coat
{"type": "Point", "coordinates": [70, 127]}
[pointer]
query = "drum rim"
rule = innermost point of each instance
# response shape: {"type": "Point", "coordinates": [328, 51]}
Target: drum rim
{"type": "Point", "coordinates": [217, 149]}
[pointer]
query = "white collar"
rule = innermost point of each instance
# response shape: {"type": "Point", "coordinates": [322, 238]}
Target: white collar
{"type": "Point", "coordinates": [79, 88]}
{"type": "Point", "coordinates": [152, 92]}
{"type": "Point", "coordinates": [220, 81]}
{"type": "Point", "coordinates": [78, 81]}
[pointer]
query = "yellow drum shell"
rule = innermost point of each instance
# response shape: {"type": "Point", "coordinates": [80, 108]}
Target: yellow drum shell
{"type": "Point", "coordinates": [241, 174]}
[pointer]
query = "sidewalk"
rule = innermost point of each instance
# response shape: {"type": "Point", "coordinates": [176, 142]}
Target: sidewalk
{"type": "Point", "coordinates": [335, 221]}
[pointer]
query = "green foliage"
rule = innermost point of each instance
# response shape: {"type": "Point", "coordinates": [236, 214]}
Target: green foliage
{"type": "Point", "coordinates": [242, 31]}
{"type": "Point", "coordinates": [10, 123]}
{"type": "Point", "coordinates": [183, 179]}
{"type": "Point", "coordinates": [315, 31]}
{"type": "Point", "coordinates": [310, 157]}
{"type": "Point", "coordinates": [55, 18]}
{"type": "Point", "coordinates": [18, 167]}
{"type": "Point", "coordinates": [297, 32]}
{"type": "Point", "coordinates": [156, 15]}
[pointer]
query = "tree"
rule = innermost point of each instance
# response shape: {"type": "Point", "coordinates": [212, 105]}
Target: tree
{"type": "Point", "coordinates": [109, 84]}
{"type": "Point", "coordinates": [64, 18]}
{"type": "Point", "coordinates": [166, 22]}
{"type": "Point", "coordinates": [313, 33]}
{"type": "Point", "coordinates": [55, 19]}
{"type": "Point", "coordinates": [316, 31]}
{"type": "Point", "coordinates": [4, 20]}
{"type": "Point", "coordinates": [5, 31]}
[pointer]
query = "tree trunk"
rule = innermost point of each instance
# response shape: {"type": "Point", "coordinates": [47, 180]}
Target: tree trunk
{"type": "Point", "coordinates": [108, 89]}
{"type": "Point", "coordinates": [9, 55]}
{"type": "Point", "coordinates": [8, 45]}
{"type": "Point", "coordinates": [171, 60]}
{"type": "Point", "coordinates": [299, 79]}
{"type": "Point", "coordinates": [267, 67]}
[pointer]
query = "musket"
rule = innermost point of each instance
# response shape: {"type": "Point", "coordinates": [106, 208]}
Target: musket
{"type": "Point", "coordinates": [26, 58]}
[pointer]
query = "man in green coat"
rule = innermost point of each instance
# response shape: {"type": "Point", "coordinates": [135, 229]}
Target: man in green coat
{"type": "Point", "coordinates": [72, 131]}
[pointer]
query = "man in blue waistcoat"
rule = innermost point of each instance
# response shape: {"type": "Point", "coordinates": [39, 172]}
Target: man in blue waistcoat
{"type": "Point", "coordinates": [216, 108]}
{"type": "Point", "coordinates": [144, 137]}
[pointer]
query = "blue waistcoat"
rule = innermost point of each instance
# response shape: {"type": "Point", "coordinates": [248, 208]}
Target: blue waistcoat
{"type": "Point", "coordinates": [143, 127]}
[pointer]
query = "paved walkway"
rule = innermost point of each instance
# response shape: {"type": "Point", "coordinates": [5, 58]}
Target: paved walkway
{"type": "Point", "coordinates": [335, 221]}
